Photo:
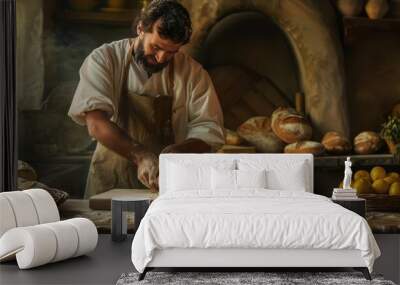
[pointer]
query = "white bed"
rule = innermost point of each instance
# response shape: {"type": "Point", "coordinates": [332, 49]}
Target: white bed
{"type": "Point", "coordinates": [198, 223]}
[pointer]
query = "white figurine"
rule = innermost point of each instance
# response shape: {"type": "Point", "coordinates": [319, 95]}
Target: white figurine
{"type": "Point", "coordinates": [347, 174]}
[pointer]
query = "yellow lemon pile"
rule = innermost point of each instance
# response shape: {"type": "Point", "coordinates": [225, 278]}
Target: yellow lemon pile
{"type": "Point", "coordinates": [394, 189]}
{"type": "Point", "coordinates": [376, 181]}
{"type": "Point", "coordinates": [385, 183]}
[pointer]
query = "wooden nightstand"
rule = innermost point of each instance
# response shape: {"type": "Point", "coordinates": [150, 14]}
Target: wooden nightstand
{"type": "Point", "coordinates": [356, 205]}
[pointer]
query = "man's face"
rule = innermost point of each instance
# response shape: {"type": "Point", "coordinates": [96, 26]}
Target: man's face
{"type": "Point", "coordinates": [154, 52]}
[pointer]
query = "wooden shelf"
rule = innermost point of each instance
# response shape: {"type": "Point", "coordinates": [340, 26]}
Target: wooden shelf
{"type": "Point", "coordinates": [355, 27]}
{"type": "Point", "coordinates": [114, 18]}
{"type": "Point", "coordinates": [357, 160]}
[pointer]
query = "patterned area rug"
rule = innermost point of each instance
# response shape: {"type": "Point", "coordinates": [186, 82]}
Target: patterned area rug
{"type": "Point", "coordinates": [242, 278]}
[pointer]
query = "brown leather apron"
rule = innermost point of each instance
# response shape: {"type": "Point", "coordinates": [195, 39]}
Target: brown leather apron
{"type": "Point", "coordinates": [147, 120]}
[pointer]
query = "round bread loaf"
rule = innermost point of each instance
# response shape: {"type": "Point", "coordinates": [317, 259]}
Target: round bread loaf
{"type": "Point", "coordinates": [336, 143]}
{"type": "Point", "coordinates": [232, 138]}
{"type": "Point", "coordinates": [290, 126]}
{"type": "Point", "coordinates": [313, 147]}
{"type": "Point", "coordinates": [367, 142]}
{"type": "Point", "coordinates": [257, 131]}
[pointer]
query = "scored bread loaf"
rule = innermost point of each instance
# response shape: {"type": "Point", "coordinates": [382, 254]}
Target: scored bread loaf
{"type": "Point", "coordinates": [336, 143]}
{"type": "Point", "coordinates": [290, 126]}
{"type": "Point", "coordinates": [367, 142]}
{"type": "Point", "coordinates": [257, 131]}
{"type": "Point", "coordinates": [313, 147]}
{"type": "Point", "coordinates": [232, 138]}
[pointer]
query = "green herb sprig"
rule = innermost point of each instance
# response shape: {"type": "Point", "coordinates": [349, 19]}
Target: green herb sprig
{"type": "Point", "coordinates": [391, 129]}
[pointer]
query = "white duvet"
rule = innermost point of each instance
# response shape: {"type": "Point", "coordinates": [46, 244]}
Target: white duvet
{"type": "Point", "coordinates": [256, 218]}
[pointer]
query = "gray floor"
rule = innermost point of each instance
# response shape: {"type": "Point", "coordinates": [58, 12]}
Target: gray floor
{"type": "Point", "coordinates": [111, 259]}
{"type": "Point", "coordinates": [102, 266]}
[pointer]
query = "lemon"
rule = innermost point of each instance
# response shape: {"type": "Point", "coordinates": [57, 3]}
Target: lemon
{"type": "Point", "coordinates": [395, 175]}
{"type": "Point", "coordinates": [378, 172]}
{"type": "Point", "coordinates": [362, 186]}
{"type": "Point", "coordinates": [394, 189]}
{"type": "Point", "coordinates": [362, 174]}
{"type": "Point", "coordinates": [380, 186]}
{"type": "Point", "coordinates": [390, 179]}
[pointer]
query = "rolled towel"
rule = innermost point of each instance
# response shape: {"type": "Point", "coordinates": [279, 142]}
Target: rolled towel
{"type": "Point", "coordinates": [40, 244]}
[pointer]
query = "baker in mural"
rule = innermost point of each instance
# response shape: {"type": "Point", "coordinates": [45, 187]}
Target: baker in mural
{"type": "Point", "coordinates": [140, 97]}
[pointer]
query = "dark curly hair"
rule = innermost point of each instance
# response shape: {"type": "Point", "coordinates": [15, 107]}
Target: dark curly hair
{"type": "Point", "coordinates": [175, 23]}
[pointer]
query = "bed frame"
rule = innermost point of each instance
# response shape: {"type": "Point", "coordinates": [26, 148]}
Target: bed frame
{"type": "Point", "coordinates": [242, 258]}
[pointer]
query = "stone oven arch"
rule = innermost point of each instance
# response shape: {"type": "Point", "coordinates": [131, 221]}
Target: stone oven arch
{"type": "Point", "coordinates": [311, 28]}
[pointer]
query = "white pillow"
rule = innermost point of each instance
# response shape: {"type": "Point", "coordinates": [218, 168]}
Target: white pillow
{"type": "Point", "coordinates": [251, 178]}
{"type": "Point", "coordinates": [223, 179]}
{"type": "Point", "coordinates": [183, 178]}
{"type": "Point", "coordinates": [294, 179]}
{"type": "Point", "coordinates": [226, 179]}
{"type": "Point", "coordinates": [291, 175]}
{"type": "Point", "coordinates": [186, 175]}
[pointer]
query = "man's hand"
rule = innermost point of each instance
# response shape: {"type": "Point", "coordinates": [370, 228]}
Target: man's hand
{"type": "Point", "coordinates": [147, 165]}
{"type": "Point", "coordinates": [117, 140]}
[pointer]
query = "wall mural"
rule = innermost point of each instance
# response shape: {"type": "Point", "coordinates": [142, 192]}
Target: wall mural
{"type": "Point", "coordinates": [290, 76]}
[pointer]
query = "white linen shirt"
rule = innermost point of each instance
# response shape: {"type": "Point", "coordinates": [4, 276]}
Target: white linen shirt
{"type": "Point", "coordinates": [196, 110]}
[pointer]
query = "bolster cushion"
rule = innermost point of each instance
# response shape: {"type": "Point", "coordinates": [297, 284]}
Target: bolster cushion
{"type": "Point", "coordinates": [40, 244]}
{"type": "Point", "coordinates": [26, 208]}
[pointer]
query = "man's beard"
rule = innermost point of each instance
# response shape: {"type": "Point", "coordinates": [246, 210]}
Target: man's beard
{"type": "Point", "coordinates": [140, 58]}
